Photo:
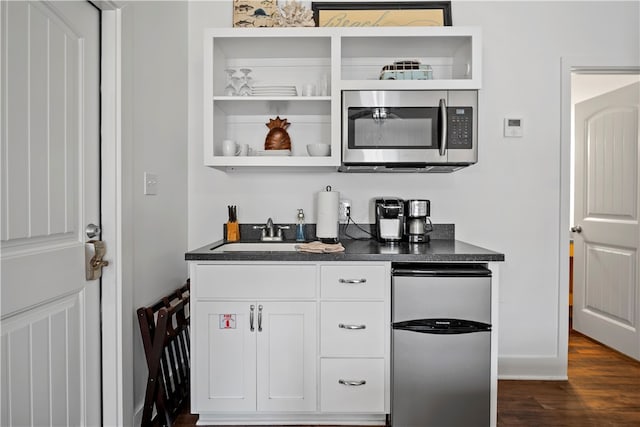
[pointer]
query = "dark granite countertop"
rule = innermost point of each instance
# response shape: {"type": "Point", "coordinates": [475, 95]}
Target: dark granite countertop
{"type": "Point", "coordinates": [441, 248]}
{"type": "Point", "coordinates": [437, 250]}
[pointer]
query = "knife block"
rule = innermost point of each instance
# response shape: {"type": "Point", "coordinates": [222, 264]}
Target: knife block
{"type": "Point", "coordinates": [233, 232]}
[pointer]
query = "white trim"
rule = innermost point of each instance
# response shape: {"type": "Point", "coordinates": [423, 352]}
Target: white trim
{"type": "Point", "coordinates": [114, 387]}
{"type": "Point", "coordinates": [568, 66]}
{"type": "Point", "coordinates": [495, 316]}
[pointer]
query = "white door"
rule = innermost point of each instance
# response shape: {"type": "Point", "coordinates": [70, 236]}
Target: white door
{"type": "Point", "coordinates": [605, 229]}
{"type": "Point", "coordinates": [286, 352]}
{"type": "Point", "coordinates": [50, 348]}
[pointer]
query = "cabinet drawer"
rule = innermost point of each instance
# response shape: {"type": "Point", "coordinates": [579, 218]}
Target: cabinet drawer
{"type": "Point", "coordinates": [352, 328]}
{"type": "Point", "coordinates": [286, 281]}
{"type": "Point", "coordinates": [353, 281]}
{"type": "Point", "coordinates": [352, 385]}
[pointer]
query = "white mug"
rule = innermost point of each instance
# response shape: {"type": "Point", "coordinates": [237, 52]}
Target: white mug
{"type": "Point", "coordinates": [229, 148]}
{"type": "Point", "coordinates": [243, 150]}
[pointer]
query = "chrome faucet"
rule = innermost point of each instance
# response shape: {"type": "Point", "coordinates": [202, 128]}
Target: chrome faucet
{"type": "Point", "coordinates": [268, 228]}
{"type": "Point", "coordinates": [271, 232]}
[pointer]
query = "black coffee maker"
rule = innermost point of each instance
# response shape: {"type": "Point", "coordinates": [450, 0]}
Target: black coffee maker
{"type": "Point", "coordinates": [389, 219]}
{"type": "Point", "coordinates": [418, 224]}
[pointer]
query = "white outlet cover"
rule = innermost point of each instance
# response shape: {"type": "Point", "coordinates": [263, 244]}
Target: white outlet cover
{"type": "Point", "coordinates": [342, 210]}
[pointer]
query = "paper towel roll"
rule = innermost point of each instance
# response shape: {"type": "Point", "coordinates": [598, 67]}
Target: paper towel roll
{"type": "Point", "coordinates": [328, 204]}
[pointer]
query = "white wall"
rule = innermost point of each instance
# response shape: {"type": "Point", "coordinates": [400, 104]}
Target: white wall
{"type": "Point", "coordinates": [154, 140]}
{"type": "Point", "coordinates": [508, 202]}
{"type": "Point", "coordinates": [587, 86]}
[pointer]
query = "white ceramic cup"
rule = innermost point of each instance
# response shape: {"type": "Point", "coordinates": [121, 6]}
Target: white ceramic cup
{"type": "Point", "coordinates": [229, 148]}
{"type": "Point", "coordinates": [243, 150]}
{"type": "Point", "coordinates": [308, 90]}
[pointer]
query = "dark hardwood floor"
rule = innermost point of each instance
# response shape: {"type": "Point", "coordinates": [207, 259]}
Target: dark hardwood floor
{"type": "Point", "coordinates": [603, 390]}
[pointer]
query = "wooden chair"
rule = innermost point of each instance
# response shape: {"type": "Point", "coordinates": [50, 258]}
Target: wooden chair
{"type": "Point", "coordinates": [165, 335]}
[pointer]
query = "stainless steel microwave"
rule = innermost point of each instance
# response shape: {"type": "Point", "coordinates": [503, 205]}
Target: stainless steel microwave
{"type": "Point", "coordinates": [409, 130]}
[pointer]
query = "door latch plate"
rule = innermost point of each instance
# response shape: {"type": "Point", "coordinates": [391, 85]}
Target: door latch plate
{"type": "Point", "coordinates": [94, 251]}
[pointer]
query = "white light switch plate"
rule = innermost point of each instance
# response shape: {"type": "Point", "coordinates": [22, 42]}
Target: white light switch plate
{"type": "Point", "coordinates": [150, 184]}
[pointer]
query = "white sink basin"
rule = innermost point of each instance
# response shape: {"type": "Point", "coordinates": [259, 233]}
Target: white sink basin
{"type": "Point", "coordinates": [256, 247]}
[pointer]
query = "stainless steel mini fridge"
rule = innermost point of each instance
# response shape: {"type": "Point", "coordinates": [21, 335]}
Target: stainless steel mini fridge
{"type": "Point", "coordinates": [441, 345]}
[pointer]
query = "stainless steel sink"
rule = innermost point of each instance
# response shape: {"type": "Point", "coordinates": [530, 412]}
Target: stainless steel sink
{"type": "Point", "coordinates": [256, 247]}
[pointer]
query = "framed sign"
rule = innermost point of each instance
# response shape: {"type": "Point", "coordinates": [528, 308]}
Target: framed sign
{"type": "Point", "coordinates": [382, 14]}
{"type": "Point", "coordinates": [254, 13]}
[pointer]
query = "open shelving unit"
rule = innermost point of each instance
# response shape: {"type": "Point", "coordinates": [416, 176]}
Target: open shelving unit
{"type": "Point", "coordinates": [333, 60]}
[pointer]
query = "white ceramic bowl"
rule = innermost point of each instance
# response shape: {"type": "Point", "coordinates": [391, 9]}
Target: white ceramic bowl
{"type": "Point", "coordinates": [318, 150]}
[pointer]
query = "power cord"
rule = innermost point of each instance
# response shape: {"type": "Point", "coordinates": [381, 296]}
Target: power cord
{"type": "Point", "coordinates": [351, 221]}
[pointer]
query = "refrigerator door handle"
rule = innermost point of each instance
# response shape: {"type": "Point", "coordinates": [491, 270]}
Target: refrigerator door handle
{"type": "Point", "coordinates": [441, 273]}
{"type": "Point", "coordinates": [439, 270]}
{"type": "Point", "coordinates": [442, 326]}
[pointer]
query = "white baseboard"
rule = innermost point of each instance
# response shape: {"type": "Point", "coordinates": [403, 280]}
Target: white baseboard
{"type": "Point", "coordinates": [290, 419]}
{"type": "Point", "coordinates": [532, 368]}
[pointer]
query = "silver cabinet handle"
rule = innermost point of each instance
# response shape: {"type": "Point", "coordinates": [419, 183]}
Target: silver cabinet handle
{"type": "Point", "coordinates": [343, 326]}
{"type": "Point", "coordinates": [251, 309]}
{"type": "Point", "coordinates": [576, 229]}
{"type": "Point", "coordinates": [260, 318]}
{"type": "Point", "coordinates": [352, 383]}
{"type": "Point", "coordinates": [352, 281]}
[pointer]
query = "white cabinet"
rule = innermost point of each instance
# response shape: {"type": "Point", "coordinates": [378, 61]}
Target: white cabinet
{"type": "Point", "coordinates": [254, 338]}
{"type": "Point", "coordinates": [282, 57]}
{"type": "Point", "coordinates": [354, 338]}
{"type": "Point", "coordinates": [353, 282]}
{"type": "Point", "coordinates": [258, 356]}
{"type": "Point", "coordinates": [331, 59]}
{"type": "Point", "coordinates": [452, 52]}
{"type": "Point", "coordinates": [227, 357]}
{"type": "Point", "coordinates": [290, 342]}
{"type": "Point", "coordinates": [352, 328]}
{"type": "Point", "coordinates": [286, 356]}
{"type": "Point", "coordinates": [353, 385]}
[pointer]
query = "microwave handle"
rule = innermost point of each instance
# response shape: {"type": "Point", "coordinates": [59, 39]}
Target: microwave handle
{"type": "Point", "coordinates": [443, 126]}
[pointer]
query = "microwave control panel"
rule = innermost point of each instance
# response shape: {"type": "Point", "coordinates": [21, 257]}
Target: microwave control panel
{"type": "Point", "coordinates": [460, 127]}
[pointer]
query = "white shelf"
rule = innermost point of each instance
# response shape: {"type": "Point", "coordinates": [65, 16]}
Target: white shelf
{"type": "Point", "coordinates": [253, 99]}
{"type": "Point", "coordinates": [344, 58]}
{"type": "Point", "coordinates": [285, 161]}
{"type": "Point", "coordinates": [443, 84]}
{"type": "Point", "coordinates": [280, 105]}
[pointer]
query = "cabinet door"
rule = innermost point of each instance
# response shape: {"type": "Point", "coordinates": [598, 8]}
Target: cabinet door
{"type": "Point", "coordinates": [286, 356]}
{"type": "Point", "coordinates": [226, 347]}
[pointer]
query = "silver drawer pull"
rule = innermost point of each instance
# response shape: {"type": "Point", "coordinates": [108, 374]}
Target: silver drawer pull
{"type": "Point", "coordinates": [343, 326]}
{"type": "Point", "coordinates": [352, 382]}
{"type": "Point", "coordinates": [352, 281]}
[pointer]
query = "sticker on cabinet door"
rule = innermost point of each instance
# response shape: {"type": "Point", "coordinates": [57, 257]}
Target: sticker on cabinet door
{"type": "Point", "coordinates": [227, 321]}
